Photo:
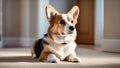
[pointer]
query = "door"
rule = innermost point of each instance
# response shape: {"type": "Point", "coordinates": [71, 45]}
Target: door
{"type": "Point", "coordinates": [85, 26]}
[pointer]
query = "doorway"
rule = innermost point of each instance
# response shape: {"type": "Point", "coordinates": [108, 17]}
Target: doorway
{"type": "Point", "coordinates": [85, 26]}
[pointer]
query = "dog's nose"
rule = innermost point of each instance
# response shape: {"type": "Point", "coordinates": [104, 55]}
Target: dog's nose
{"type": "Point", "coordinates": [71, 28]}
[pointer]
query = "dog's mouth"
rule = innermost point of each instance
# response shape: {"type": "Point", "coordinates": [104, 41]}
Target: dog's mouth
{"type": "Point", "coordinates": [62, 33]}
{"type": "Point", "coordinates": [70, 32]}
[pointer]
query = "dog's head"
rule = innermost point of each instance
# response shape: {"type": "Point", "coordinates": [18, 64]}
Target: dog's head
{"type": "Point", "coordinates": [62, 24]}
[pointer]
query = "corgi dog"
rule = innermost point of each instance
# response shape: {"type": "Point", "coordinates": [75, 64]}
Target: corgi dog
{"type": "Point", "coordinates": [59, 42]}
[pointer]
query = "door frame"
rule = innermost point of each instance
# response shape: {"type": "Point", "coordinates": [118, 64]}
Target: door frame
{"type": "Point", "coordinates": [1, 23]}
{"type": "Point", "coordinates": [99, 22]}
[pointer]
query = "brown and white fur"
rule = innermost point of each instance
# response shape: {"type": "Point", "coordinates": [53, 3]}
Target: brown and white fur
{"type": "Point", "coordinates": [59, 43]}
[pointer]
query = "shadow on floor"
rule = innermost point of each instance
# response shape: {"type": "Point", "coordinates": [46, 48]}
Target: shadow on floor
{"type": "Point", "coordinates": [18, 59]}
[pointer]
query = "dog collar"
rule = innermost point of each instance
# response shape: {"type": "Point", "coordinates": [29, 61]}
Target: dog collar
{"type": "Point", "coordinates": [45, 40]}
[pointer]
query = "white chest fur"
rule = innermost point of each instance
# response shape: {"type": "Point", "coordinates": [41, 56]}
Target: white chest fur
{"type": "Point", "coordinates": [66, 39]}
{"type": "Point", "coordinates": [62, 51]}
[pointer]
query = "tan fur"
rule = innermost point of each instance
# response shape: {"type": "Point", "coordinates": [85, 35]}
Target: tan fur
{"type": "Point", "coordinates": [44, 53]}
{"type": "Point", "coordinates": [33, 47]}
{"type": "Point", "coordinates": [55, 27]}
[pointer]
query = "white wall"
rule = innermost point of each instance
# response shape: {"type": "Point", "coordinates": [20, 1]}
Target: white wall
{"type": "Point", "coordinates": [99, 21]}
{"type": "Point", "coordinates": [25, 20]}
{"type": "Point", "coordinates": [11, 18]}
{"type": "Point", "coordinates": [1, 21]}
{"type": "Point", "coordinates": [43, 23]}
{"type": "Point", "coordinates": [107, 21]}
{"type": "Point", "coordinates": [63, 6]}
{"type": "Point", "coordinates": [11, 21]}
{"type": "Point", "coordinates": [111, 40]}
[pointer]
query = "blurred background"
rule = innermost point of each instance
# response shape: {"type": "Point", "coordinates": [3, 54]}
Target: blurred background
{"type": "Point", "coordinates": [23, 21]}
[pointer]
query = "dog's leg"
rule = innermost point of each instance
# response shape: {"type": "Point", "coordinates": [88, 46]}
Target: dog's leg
{"type": "Point", "coordinates": [73, 58]}
{"type": "Point", "coordinates": [44, 55]}
{"type": "Point", "coordinates": [53, 58]}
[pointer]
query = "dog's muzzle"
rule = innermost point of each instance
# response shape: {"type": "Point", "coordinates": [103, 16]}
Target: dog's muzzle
{"type": "Point", "coordinates": [71, 28]}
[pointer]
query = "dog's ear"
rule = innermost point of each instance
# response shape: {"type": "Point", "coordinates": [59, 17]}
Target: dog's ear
{"type": "Point", "coordinates": [50, 12]}
{"type": "Point", "coordinates": [74, 12]}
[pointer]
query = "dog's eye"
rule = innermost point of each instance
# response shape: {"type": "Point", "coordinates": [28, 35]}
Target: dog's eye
{"type": "Point", "coordinates": [72, 21]}
{"type": "Point", "coordinates": [62, 22]}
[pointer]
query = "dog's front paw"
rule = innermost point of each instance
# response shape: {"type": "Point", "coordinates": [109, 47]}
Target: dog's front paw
{"type": "Point", "coordinates": [53, 59]}
{"type": "Point", "coordinates": [76, 60]}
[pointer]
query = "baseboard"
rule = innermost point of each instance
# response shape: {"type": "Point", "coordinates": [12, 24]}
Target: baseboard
{"type": "Point", "coordinates": [24, 42]}
{"type": "Point", "coordinates": [112, 45]}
